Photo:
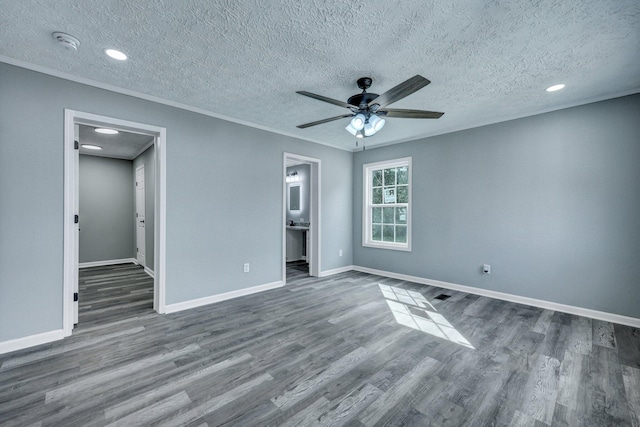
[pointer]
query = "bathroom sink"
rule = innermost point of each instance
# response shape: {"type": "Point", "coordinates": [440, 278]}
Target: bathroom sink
{"type": "Point", "coordinates": [297, 227]}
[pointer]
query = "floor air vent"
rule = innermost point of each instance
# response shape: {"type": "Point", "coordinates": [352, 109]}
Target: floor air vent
{"type": "Point", "coordinates": [442, 297]}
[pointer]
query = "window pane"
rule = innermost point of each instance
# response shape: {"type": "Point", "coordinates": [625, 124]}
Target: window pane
{"type": "Point", "coordinates": [387, 233]}
{"type": "Point", "coordinates": [403, 194]}
{"type": "Point", "coordinates": [403, 175]}
{"type": "Point", "coordinates": [377, 178]}
{"type": "Point", "coordinates": [401, 215]}
{"type": "Point", "coordinates": [376, 232]}
{"type": "Point", "coordinates": [377, 196]}
{"type": "Point", "coordinates": [390, 176]}
{"type": "Point", "coordinates": [377, 215]}
{"type": "Point", "coordinates": [388, 215]}
{"type": "Point", "coordinates": [387, 211]}
{"type": "Point", "coordinates": [389, 195]}
{"type": "Point", "coordinates": [401, 234]}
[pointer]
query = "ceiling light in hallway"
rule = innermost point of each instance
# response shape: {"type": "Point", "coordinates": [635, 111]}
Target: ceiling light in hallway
{"type": "Point", "coordinates": [555, 88]}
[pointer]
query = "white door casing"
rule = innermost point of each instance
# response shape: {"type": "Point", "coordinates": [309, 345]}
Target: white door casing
{"type": "Point", "coordinates": [140, 216]}
{"type": "Point", "coordinates": [71, 241]}
{"type": "Point", "coordinates": [76, 231]}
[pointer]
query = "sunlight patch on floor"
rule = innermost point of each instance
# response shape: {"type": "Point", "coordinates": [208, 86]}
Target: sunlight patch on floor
{"type": "Point", "coordinates": [413, 310]}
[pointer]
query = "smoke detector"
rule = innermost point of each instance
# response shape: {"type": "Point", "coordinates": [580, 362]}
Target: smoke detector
{"type": "Point", "coordinates": [67, 41]}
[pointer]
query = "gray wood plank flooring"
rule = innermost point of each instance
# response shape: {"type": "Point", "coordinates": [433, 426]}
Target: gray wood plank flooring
{"type": "Point", "coordinates": [352, 349]}
{"type": "Point", "coordinates": [112, 293]}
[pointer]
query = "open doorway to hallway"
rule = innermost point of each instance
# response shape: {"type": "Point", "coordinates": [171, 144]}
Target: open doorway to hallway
{"type": "Point", "coordinates": [99, 247]}
{"type": "Point", "coordinates": [116, 224]}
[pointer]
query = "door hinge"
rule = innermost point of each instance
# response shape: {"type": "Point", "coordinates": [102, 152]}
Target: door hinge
{"type": "Point", "coordinates": [76, 145]}
{"type": "Point", "coordinates": [76, 219]}
{"type": "Point", "coordinates": [75, 297]}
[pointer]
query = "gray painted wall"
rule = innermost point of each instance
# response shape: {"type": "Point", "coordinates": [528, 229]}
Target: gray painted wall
{"type": "Point", "coordinates": [214, 223]}
{"type": "Point", "coordinates": [552, 202]}
{"type": "Point", "coordinates": [107, 226]}
{"type": "Point", "coordinates": [148, 160]}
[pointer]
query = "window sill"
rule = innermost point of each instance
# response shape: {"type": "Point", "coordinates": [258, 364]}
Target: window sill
{"type": "Point", "coordinates": [391, 246]}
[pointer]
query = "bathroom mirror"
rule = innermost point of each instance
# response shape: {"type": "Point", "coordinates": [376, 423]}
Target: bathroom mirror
{"type": "Point", "coordinates": [294, 198]}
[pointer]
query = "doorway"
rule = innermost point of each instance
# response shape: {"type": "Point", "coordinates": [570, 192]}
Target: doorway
{"type": "Point", "coordinates": [73, 120]}
{"type": "Point", "coordinates": [301, 217]}
{"type": "Point", "coordinates": [141, 243]}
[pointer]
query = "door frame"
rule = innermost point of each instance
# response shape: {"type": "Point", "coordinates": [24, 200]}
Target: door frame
{"type": "Point", "coordinates": [313, 257]}
{"type": "Point", "coordinates": [71, 206]}
{"type": "Point", "coordinates": [136, 220]}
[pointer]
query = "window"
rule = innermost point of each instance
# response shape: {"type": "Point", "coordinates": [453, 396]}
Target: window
{"type": "Point", "coordinates": [387, 204]}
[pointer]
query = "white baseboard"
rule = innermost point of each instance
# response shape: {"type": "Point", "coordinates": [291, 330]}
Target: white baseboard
{"type": "Point", "coordinates": [172, 308]}
{"type": "Point", "coordinates": [30, 341]}
{"type": "Point", "coordinates": [108, 262]}
{"type": "Point", "coordinates": [150, 272]}
{"type": "Point", "coordinates": [336, 271]}
{"type": "Point", "coordinates": [549, 305]}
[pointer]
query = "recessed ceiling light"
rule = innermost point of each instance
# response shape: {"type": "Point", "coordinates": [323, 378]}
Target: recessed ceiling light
{"type": "Point", "coordinates": [116, 54]}
{"type": "Point", "coordinates": [107, 131]}
{"type": "Point", "coordinates": [555, 88]}
{"type": "Point", "coordinates": [91, 147]}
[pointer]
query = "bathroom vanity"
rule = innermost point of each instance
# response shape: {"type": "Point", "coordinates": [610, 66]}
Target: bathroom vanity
{"type": "Point", "coordinates": [297, 242]}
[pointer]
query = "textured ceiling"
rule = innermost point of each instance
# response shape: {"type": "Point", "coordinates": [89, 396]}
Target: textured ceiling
{"type": "Point", "coordinates": [488, 61]}
{"type": "Point", "coordinates": [124, 145]}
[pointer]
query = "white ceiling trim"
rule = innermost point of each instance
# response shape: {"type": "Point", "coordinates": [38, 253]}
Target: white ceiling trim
{"type": "Point", "coordinates": [116, 89]}
{"type": "Point", "coordinates": [243, 62]}
{"type": "Point", "coordinates": [146, 97]}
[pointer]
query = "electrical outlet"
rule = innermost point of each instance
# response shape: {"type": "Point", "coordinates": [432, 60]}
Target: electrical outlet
{"type": "Point", "coordinates": [246, 267]}
{"type": "Point", "coordinates": [340, 252]}
{"type": "Point", "coordinates": [486, 269]}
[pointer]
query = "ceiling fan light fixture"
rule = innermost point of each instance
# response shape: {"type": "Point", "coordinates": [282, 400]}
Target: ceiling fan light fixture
{"type": "Point", "coordinates": [374, 124]}
{"type": "Point", "coordinates": [353, 131]}
{"type": "Point", "coordinates": [369, 130]}
{"type": "Point", "coordinates": [363, 111]}
{"type": "Point", "coordinates": [358, 121]}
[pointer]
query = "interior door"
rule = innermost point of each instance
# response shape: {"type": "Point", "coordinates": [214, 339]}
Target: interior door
{"type": "Point", "coordinates": [140, 208]}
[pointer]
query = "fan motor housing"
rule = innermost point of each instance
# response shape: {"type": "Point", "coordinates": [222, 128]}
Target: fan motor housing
{"type": "Point", "coordinates": [362, 98]}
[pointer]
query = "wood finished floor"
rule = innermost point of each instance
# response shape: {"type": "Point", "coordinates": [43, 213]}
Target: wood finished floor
{"type": "Point", "coordinates": [351, 349]}
{"type": "Point", "coordinates": [112, 293]}
{"type": "Point", "coordinates": [297, 270]}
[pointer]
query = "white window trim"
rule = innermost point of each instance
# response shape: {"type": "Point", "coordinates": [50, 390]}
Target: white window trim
{"type": "Point", "coordinates": [366, 212]}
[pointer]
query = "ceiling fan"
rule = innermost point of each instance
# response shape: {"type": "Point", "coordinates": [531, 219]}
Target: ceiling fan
{"type": "Point", "coordinates": [368, 109]}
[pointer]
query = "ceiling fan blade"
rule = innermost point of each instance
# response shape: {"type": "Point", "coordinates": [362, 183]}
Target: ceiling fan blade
{"type": "Point", "coordinates": [319, 122]}
{"type": "Point", "coordinates": [325, 99]}
{"type": "Point", "coordinates": [404, 89]}
{"type": "Point", "coordinates": [410, 114]}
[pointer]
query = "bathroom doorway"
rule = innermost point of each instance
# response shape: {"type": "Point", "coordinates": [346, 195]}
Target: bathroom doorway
{"type": "Point", "coordinates": [301, 219]}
